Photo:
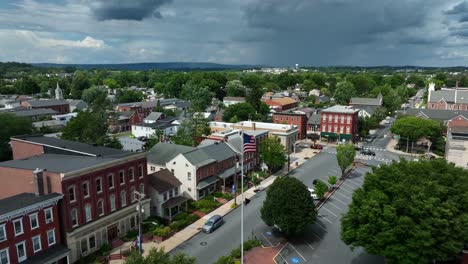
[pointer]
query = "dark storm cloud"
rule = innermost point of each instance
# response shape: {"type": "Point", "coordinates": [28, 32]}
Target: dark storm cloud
{"type": "Point", "coordinates": [459, 8]}
{"type": "Point", "coordinates": [126, 9]}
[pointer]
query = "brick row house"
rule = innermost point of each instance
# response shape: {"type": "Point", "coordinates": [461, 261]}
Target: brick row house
{"type": "Point", "coordinates": [30, 229]}
{"type": "Point", "coordinates": [291, 118]}
{"type": "Point", "coordinates": [59, 105]}
{"type": "Point", "coordinates": [447, 98]}
{"type": "Point", "coordinates": [97, 183]}
{"type": "Point", "coordinates": [339, 123]}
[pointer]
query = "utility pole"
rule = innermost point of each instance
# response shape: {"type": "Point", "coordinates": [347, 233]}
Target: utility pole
{"type": "Point", "coordinates": [242, 199]}
{"type": "Point", "coordinates": [140, 196]}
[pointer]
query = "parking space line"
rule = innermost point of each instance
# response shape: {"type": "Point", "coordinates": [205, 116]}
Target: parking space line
{"type": "Point", "coordinates": [350, 186]}
{"type": "Point", "coordinates": [334, 206]}
{"type": "Point", "coordinates": [330, 211]}
{"type": "Point", "coordinates": [267, 239]}
{"type": "Point", "coordinates": [342, 195]}
{"type": "Point", "coordinates": [298, 252]}
{"type": "Point", "coordinates": [357, 184]}
{"type": "Point", "coordinates": [346, 190]}
{"type": "Point", "coordinates": [321, 226]}
{"type": "Point", "coordinates": [340, 201]}
{"type": "Point", "coordinates": [309, 245]}
{"type": "Point", "coordinates": [313, 233]}
{"type": "Point", "coordinates": [324, 217]}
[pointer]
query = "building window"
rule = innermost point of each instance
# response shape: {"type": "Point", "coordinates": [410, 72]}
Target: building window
{"type": "Point", "coordinates": [92, 242]}
{"type": "Point", "coordinates": [85, 189]}
{"type": "Point", "coordinates": [49, 217]}
{"type": "Point", "coordinates": [84, 246]}
{"type": "Point", "coordinates": [142, 188]}
{"type": "Point", "coordinates": [171, 194]}
{"type": "Point", "coordinates": [341, 130]}
{"type": "Point", "coordinates": [176, 191]}
{"type": "Point", "coordinates": [172, 170]}
{"type": "Point", "coordinates": [51, 237]}
{"type": "Point", "coordinates": [4, 257]}
{"type": "Point", "coordinates": [110, 179]}
{"type": "Point", "coordinates": [131, 173]}
{"type": "Point", "coordinates": [18, 224]}
{"type": "Point", "coordinates": [335, 129]}
{"type": "Point", "coordinates": [3, 236]}
{"type": "Point", "coordinates": [21, 251]}
{"type": "Point", "coordinates": [165, 196]}
{"type": "Point", "coordinates": [347, 130]}
{"type": "Point", "coordinates": [349, 120]}
{"type": "Point", "coordinates": [132, 194]}
{"type": "Point", "coordinates": [122, 177]}
{"type": "Point", "coordinates": [88, 215]}
{"type": "Point", "coordinates": [71, 193]}
{"type": "Point", "coordinates": [336, 119]}
{"type": "Point", "coordinates": [324, 118]}
{"type": "Point", "coordinates": [324, 128]}
{"type": "Point", "coordinates": [98, 185]}
{"type": "Point", "coordinates": [132, 222]}
{"type": "Point", "coordinates": [36, 243]}
{"type": "Point", "coordinates": [112, 202]}
{"type": "Point", "coordinates": [140, 171]}
{"type": "Point", "coordinates": [189, 176]}
{"type": "Point", "coordinates": [33, 221]}
{"type": "Point", "coordinates": [100, 207]}
{"type": "Point", "coordinates": [74, 217]}
{"type": "Point", "coordinates": [123, 198]}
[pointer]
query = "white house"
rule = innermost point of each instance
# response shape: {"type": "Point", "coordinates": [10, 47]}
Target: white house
{"type": "Point", "coordinates": [65, 118]}
{"type": "Point", "coordinates": [167, 126]}
{"type": "Point", "coordinates": [227, 101]}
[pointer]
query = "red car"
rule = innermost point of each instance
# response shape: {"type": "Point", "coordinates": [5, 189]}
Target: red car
{"type": "Point", "coordinates": [316, 146]}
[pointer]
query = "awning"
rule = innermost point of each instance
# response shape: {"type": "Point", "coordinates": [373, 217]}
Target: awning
{"type": "Point", "coordinates": [227, 173]}
{"type": "Point", "coordinates": [174, 201]}
{"type": "Point", "coordinates": [335, 135]}
{"type": "Point", "coordinates": [207, 182]}
{"type": "Point", "coordinates": [51, 255]}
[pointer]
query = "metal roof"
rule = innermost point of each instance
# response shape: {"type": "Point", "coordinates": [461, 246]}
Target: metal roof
{"type": "Point", "coordinates": [166, 151]}
{"type": "Point", "coordinates": [13, 203]}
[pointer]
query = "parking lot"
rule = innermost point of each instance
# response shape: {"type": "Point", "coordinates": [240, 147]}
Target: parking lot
{"type": "Point", "coordinates": [322, 238]}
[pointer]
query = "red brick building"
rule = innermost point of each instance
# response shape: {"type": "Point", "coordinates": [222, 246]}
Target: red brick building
{"type": "Point", "coordinates": [284, 103]}
{"type": "Point", "coordinates": [300, 120]}
{"type": "Point", "coordinates": [339, 123]}
{"type": "Point", "coordinates": [61, 106]}
{"type": "Point", "coordinates": [97, 183]}
{"type": "Point", "coordinates": [30, 229]}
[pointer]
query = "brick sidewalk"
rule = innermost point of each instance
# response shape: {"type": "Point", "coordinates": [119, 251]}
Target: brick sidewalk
{"type": "Point", "coordinates": [193, 229]}
{"type": "Point", "coordinates": [261, 255]}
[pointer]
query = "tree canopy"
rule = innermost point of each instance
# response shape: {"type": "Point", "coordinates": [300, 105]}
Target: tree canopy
{"type": "Point", "coordinates": [273, 153]}
{"type": "Point", "coordinates": [11, 126]}
{"type": "Point", "coordinates": [191, 130]}
{"type": "Point", "coordinates": [343, 93]}
{"type": "Point", "coordinates": [288, 206]}
{"type": "Point", "coordinates": [415, 128]}
{"type": "Point", "coordinates": [345, 154]}
{"type": "Point", "coordinates": [235, 88]}
{"type": "Point", "coordinates": [129, 96]}
{"type": "Point", "coordinates": [241, 111]}
{"type": "Point", "coordinates": [410, 212]}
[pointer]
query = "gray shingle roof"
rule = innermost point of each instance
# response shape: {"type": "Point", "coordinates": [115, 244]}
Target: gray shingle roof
{"type": "Point", "coordinates": [163, 181]}
{"type": "Point", "coordinates": [49, 102]}
{"type": "Point", "coordinates": [154, 116]}
{"type": "Point", "coordinates": [449, 96]}
{"type": "Point", "coordinates": [314, 119]}
{"type": "Point", "coordinates": [164, 152]}
{"type": "Point", "coordinates": [215, 152]}
{"type": "Point", "coordinates": [61, 146]}
{"type": "Point", "coordinates": [366, 101]}
{"type": "Point", "coordinates": [439, 115]}
{"type": "Point", "coordinates": [13, 203]}
{"type": "Point", "coordinates": [34, 112]}
{"type": "Point", "coordinates": [370, 109]}
{"type": "Point", "coordinates": [57, 163]}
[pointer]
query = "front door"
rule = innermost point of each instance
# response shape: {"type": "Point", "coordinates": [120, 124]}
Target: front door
{"type": "Point", "coordinates": [112, 233]}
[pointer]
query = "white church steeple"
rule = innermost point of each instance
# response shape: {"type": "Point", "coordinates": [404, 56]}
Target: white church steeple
{"type": "Point", "coordinates": [58, 93]}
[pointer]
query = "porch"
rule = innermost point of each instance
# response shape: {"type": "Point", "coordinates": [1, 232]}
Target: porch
{"type": "Point", "coordinates": [174, 206]}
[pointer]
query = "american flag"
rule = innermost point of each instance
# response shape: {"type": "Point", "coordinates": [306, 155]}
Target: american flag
{"type": "Point", "coordinates": [249, 143]}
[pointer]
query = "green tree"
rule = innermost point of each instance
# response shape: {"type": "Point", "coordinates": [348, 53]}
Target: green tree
{"type": "Point", "coordinates": [410, 212]}
{"type": "Point", "coordinates": [129, 96]}
{"type": "Point", "coordinates": [153, 139]}
{"type": "Point", "coordinates": [242, 112]}
{"type": "Point", "coordinates": [111, 83]}
{"type": "Point", "coordinates": [345, 154]}
{"type": "Point", "coordinates": [343, 93]}
{"type": "Point", "coordinates": [27, 85]}
{"type": "Point", "coordinates": [96, 96]}
{"type": "Point", "coordinates": [200, 97]}
{"type": "Point", "coordinates": [309, 85]}
{"type": "Point", "coordinates": [11, 126]}
{"type": "Point", "coordinates": [235, 88]}
{"type": "Point", "coordinates": [191, 130]}
{"type": "Point", "coordinates": [273, 153]}
{"type": "Point", "coordinates": [413, 128]}
{"type": "Point", "coordinates": [320, 188]}
{"type": "Point", "coordinates": [80, 82]}
{"type": "Point", "coordinates": [288, 206]}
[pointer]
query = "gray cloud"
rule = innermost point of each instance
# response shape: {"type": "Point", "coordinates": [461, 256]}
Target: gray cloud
{"type": "Point", "coordinates": [126, 9]}
{"type": "Point", "coordinates": [459, 8]}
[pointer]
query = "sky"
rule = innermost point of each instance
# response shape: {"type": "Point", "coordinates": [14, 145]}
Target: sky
{"type": "Point", "coordinates": [266, 32]}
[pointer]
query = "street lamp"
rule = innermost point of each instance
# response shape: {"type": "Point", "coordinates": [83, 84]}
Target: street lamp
{"type": "Point", "coordinates": [140, 196]}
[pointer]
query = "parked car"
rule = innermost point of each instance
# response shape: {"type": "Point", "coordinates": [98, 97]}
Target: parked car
{"type": "Point", "coordinates": [212, 224]}
{"type": "Point", "coordinates": [313, 194]}
{"type": "Point", "coordinates": [316, 146]}
{"type": "Point", "coordinates": [368, 152]}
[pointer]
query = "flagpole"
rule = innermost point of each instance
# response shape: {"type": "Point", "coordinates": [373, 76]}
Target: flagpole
{"type": "Point", "coordinates": [242, 199]}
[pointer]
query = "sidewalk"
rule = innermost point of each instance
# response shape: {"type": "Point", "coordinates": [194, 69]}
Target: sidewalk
{"type": "Point", "coordinates": [193, 229]}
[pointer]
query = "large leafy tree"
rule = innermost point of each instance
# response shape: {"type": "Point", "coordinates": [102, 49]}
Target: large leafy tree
{"type": "Point", "coordinates": [96, 97]}
{"type": "Point", "coordinates": [129, 96]}
{"type": "Point", "coordinates": [241, 111]}
{"type": "Point", "coordinates": [288, 206]}
{"type": "Point", "coordinates": [159, 256]}
{"type": "Point", "coordinates": [273, 153]}
{"type": "Point", "coordinates": [343, 92]}
{"type": "Point", "coordinates": [410, 212]}
{"type": "Point", "coordinates": [235, 88]}
{"type": "Point", "coordinates": [413, 128]}
{"type": "Point", "coordinates": [191, 130]}
{"type": "Point", "coordinates": [345, 154]}
{"type": "Point", "coordinates": [27, 85]}
{"type": "Point", "coordinates": [80, 82]}
{"type": "Point", "coordinates": [91, 128]}
{"type": "Point", "coordinates": [11, 126]}
{"type": "Point", "coordinates": [200, 97]}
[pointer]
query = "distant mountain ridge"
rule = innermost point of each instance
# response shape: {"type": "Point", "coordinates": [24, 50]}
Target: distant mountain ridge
{"type": "Point", "coordinates": [152, 66]}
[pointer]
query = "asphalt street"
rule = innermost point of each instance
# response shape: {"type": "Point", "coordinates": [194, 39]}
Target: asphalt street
{"type": "Point", "coordinates": [321, 243]}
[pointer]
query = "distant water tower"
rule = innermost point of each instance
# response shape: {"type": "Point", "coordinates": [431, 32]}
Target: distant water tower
{"type": "Point", "coordinates": [296, 66]}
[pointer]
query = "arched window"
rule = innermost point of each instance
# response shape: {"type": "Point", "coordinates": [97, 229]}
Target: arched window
{"type": "Point", "coordinates": [132, 194]}
{"type": "Point", "coordinates": [112, 202]}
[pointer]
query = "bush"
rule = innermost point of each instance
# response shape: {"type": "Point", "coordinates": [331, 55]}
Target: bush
{"type": "Point", "coordinates": [225, 260]}
{"type": "Point", "coordinates": [236, 253]}
{"type": "Point", "coordinates": [105, 249]}
{"type": "Point", "coordinates": [131, 235]}
{"type": "Point", "coordinates": [206, 204]}
{"type": "Point", "coordinates": [332, 180]}
{"type": "Point", "coordinates": [249, 244]}
{"type": "Point", "coordinates": [162, 231]}
{"type": "Point", "coordinates": [192, 218]}
{"type": "Point", "coordinates": [181, 216]}
{"type": "Point", "coordinates": [179, 224]}
{"type": "Point", "coordinates": [320, 188]}
{"type": "Point", "coordinates": [226, 195]}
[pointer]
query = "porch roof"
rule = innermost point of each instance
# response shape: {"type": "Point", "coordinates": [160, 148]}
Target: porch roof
{"type": "Point", "coordinates": [206, 182]}
{"type": "Point", "coordinates": [174, 201]}
{"type": "Point", "coordinates": [227, 173]}
{"type": "Point", "coordinates": [51, 255]}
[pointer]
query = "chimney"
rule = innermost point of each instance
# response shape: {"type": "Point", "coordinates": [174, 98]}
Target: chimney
{"type": "Point", "coordinates": [38, 182]}
{"type": "Point", "coordinates": [253, 126]}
